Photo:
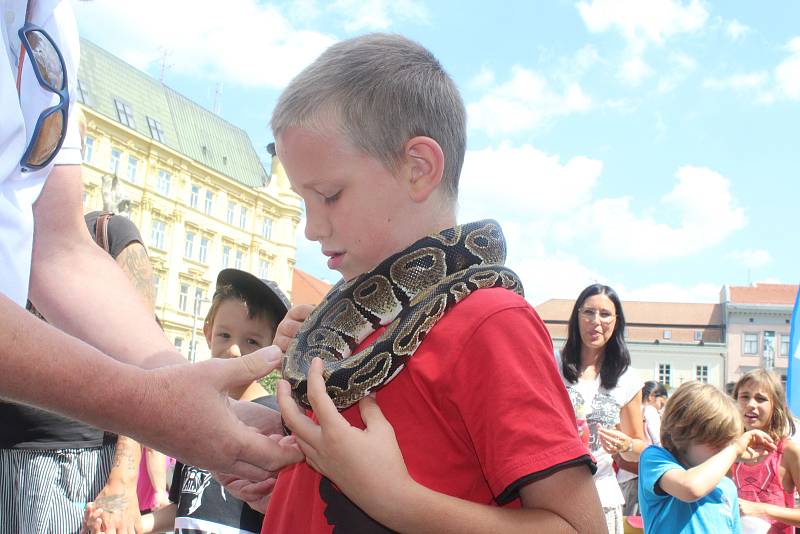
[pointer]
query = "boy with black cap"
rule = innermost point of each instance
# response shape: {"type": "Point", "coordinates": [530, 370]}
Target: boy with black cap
{"type": "Point", "coordinates": [244, 313]}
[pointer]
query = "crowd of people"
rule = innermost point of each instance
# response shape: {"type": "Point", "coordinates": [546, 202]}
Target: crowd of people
{"type": "Point", "coordinates": [481, 429]}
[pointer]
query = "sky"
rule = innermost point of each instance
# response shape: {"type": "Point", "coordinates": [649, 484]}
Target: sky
{"type": "Point", "coordinates": [651, 145]}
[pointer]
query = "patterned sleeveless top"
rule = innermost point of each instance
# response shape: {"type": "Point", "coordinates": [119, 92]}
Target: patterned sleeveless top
{"type": "Point", "coordinates": [762, 483]}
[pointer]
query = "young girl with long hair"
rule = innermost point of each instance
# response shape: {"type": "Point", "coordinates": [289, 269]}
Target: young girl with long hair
{"type": "Point", "coordinates": [766, 486]}
{"type": "Point", "coordinates": [594, 365]}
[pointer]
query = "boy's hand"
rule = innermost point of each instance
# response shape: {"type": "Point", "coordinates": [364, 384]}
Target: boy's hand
{"type": "Point", "coordinates": [753, 445]}
{"type": "Point", "coordinates": [290, 325]}
{"type": "Point", "coordinates": [92, 520]}
{"type": "Point", "coordinates": [366, 464]}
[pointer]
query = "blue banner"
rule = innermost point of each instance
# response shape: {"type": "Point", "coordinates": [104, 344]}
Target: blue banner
{"type": "Point", "coordinates": [793, 381]}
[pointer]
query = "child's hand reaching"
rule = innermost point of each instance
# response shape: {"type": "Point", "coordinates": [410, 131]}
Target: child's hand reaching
{"type": "Point", "coordinates": [614, 441]}
{"type": "Point", "coordinates": [754, 445]}
{"type": "Point", "coordinates": [366, 465]}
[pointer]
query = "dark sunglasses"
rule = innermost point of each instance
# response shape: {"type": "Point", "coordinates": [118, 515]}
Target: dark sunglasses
{"type": "Point", "coordinates": [51, 127]}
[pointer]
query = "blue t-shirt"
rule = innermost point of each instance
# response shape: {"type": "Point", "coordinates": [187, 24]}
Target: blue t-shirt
{"type": "Point", "coordinates": [716, 512]}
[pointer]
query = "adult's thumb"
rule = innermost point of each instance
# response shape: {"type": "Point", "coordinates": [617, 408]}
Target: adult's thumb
{"type": "Point", "coordinates": [258, 364]}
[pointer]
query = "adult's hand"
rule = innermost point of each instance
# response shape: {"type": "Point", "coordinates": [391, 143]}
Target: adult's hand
{"type": "Point", "coordinates": [118, 510]}
{"type": "Point", "coordinates": [195, 421]}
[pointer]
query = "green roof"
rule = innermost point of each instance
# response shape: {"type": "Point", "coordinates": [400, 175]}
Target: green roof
{"type": "Point", "coordinates": [188, 128]}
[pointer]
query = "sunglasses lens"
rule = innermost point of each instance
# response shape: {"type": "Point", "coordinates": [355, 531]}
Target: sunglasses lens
{"type": "Point", "coordinates": [47, 61]}
{"type": "Point", "coordinates": [46, 142]}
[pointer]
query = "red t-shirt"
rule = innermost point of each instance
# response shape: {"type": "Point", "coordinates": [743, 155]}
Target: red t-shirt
{"type": "Point", "coordinates": [479, 410]}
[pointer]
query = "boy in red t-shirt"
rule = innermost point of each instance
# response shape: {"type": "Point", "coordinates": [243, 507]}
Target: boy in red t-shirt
{"type": "Point", "coordinates": [477, 432]}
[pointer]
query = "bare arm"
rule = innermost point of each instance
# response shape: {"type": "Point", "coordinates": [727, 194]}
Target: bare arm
{"type": "Point", "coordinates": [157, 472]}
{"type": "Point", "coordinates": [695, 483]}
{"type": "Point", "coordinates": [80, 289]}
{"type": "Point", "coordinates": [117, 499]}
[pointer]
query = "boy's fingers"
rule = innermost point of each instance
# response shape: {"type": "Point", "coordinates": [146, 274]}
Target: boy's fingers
{"type": "Point", "coordinates": [321, 403]}
{"type": "Point", "coordinates": [371, 413]}
{"type": "Point", "coordinates": [293, 417]}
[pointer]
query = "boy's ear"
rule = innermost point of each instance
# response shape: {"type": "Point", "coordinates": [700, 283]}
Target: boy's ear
{"type": "Point", "coordinates": [424, 166]}
{"type": "Point", "coordinates": [207, 332]}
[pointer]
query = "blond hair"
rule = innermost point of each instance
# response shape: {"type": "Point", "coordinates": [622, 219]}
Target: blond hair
{"type": "Point", "coordinates": [379, 91]}
{"type": "Point", "coordinates": [699, 414]}
{"type": "Point", "coordinates": [780, 424]}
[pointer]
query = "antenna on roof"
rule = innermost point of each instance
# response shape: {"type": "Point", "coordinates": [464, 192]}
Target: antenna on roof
{"type": "Point", "coordinates": [165, 52]}
{"type": "Point", "coordinates": [217, 94]}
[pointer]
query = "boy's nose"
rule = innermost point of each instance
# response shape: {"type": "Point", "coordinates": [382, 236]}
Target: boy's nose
{"type": "Point", "coordinates": [317, 226]}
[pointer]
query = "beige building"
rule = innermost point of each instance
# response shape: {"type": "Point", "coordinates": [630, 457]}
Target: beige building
{"type": "Point", "coordinates": [668, 342]}
{"type": "Point", "coordinates": [192, 182]}
{"type": "Point", "coordinates": [757, 323]}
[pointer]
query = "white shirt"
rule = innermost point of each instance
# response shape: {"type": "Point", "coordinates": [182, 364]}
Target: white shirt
{"type": "Point", "coordinates": [601, 408]}
{"type": "Point", "coordinates": [18, 116]}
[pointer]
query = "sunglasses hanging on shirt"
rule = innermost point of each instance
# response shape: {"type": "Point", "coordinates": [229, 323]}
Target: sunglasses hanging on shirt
{"type": "Point", "coordinates": [51, 73]}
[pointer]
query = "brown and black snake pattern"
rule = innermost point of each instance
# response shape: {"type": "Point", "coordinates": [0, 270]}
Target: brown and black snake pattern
{"type": "Point", "coordinates": [408, 293]}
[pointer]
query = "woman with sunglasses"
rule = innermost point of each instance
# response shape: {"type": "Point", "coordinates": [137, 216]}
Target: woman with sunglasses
{"type": "Point", "coordinates": [604, 391]}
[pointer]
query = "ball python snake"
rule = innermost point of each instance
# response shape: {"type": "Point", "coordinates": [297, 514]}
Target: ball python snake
{"type": "Point", "coordinates": [408, 293]}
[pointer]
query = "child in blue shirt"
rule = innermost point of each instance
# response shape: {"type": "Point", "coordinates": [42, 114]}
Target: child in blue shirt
{"type": "Point", "coordinates": [682, 485]}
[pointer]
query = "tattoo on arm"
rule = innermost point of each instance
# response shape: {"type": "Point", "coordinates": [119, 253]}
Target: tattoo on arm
{"type": "Point", "coordinates": [134, 261]}
{"type": "Point", "coordinates": [112, 503]}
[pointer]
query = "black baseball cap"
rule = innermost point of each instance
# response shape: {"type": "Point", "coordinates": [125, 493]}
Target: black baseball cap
{"type": "Point", "coordinates": [252, 286]}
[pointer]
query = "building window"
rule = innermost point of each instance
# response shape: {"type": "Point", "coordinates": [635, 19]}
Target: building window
{"type": "Point", "coordinates": [178, 342]}
{"type": "Point", "coordinates": [85, 198]}
{"type": "Point", "coordinates": [156, 131]}
{"type": "Point", "coordinates": [156, 285]}
{"type": "Point", "coordinates": [157, 236]}
{"type": "Point", "coordinates": [183, 298]}
{"type": "Point", "coordinates": [784, 345]}
{"type": "Point", "coordinates": [664, 373]}
{"type": "Point", "coordinates": [84, 96]}
{"type": "Point", "coordinates": [209, 202]}
{"type": "Point", "coordinates": [203, 250]}
{"type": "Point", "coordinates": [239, 256]}
{"type": "Point", "coordinates": [113, 164]}
{"type": "Point", "coordinates": [133, 163]}
{"type": "Point", "coordinates": [88, 149]}
{"type": "Point", "coordinates": [124, 113]}
{"type": "Point", "coordinates": [231, 209]}
{"type": "Point", "coordinates": [226, 256]}
{"type": "Point", "coordinates": [701, 373]}
{"type": "Point", "coordinates": [667, 334]}
{"type": "Point", "coordinates": [163, 182]}
{"type": "Point", "coordinates": [750, 344]}
{"type": "Point", "coordinates": [698, 335]}
{"type": "Point", "coordinates": [194, 196]}
{"type": "Point", "coordinates": [198, 299]}
{"type": "Point", "coordinates": [243, 217]}
{"type": "Point", "coordinates": [266, 228]}
{"type": "Point", "coordinates": [188, 247]}
{"type": "Point", "coordinates": [263, 269]}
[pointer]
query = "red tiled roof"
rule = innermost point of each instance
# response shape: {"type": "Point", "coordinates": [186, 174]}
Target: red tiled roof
{"type": "Point", "coordinates": [307, 289]}
{"type": "Point", "coordinates": [764, 294]}
{"type": "Point", "coordinates": [656, 313]}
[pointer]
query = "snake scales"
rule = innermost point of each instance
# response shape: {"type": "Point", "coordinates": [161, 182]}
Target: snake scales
{"type": "Point", "coordinates": [409, 291]}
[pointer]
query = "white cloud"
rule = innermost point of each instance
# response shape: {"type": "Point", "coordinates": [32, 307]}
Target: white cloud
{"type": "Point", "coordinates": [751, 258]}
{"type": "Point", "coordinates": [371, 15]}
{"type": "Point", "coordinates": [736, 30]}
{"type": "Point", "coordinates": [744, 81]}
{"type": "Point", "coordinates": [681, 66]}
{"type": "Point", "coordinates": [701, 200]}
{"type": "Point", "coordinates": [482, 80]}
{"type": "Point", "coordinates": [787, 74]}
{"type": "Point", "coordinates": [524, 103]}
{"type": "Point", "coordinates": [265, 50]}
{"type": "Point", "coordinates": [524, 183]}
{"type": "Point", "coordinates": [642, 23]}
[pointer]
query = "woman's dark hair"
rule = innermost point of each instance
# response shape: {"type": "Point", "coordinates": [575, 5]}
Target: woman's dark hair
{"type": "Point", "coordinates": [656, 388]}
{"type": "Point", "coordinates": [616, 358]}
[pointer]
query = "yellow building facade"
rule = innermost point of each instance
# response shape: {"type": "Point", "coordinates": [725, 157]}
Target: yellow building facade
{"type": "Point", "coordinates": [193, 185]}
